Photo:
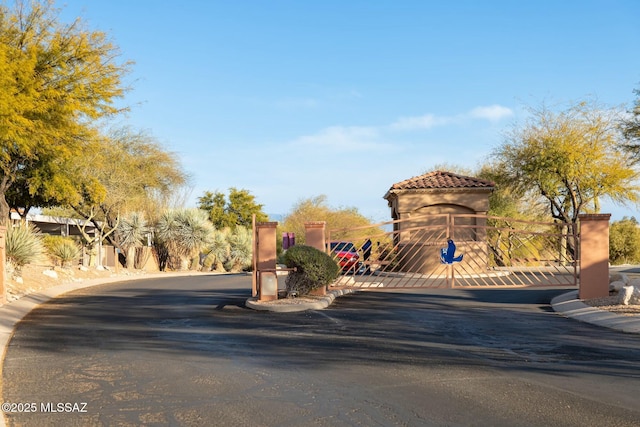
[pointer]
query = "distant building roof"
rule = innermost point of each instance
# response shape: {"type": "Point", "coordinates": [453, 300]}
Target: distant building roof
{"type": "Point", "coordinates": [440, 180]}
{"type": "Point", "coordinates": [57, 225]}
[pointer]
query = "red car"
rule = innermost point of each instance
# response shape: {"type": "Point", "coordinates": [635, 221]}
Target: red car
{"type": "Point", "coordinates": [346, 254]}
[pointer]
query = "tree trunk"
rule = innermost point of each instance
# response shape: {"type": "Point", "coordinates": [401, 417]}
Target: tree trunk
{"type": "Point", "coordinates": [131, 258]}
{"type": "Point", "coordinates": [5, 211]}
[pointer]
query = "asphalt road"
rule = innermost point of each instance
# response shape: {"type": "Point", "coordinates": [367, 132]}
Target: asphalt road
{"type": "Point", "coordinates": [185, 352]}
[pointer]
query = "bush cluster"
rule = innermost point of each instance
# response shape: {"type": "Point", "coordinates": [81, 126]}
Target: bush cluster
{"type": "Point", "coordinates": [314, 269]}
{"type": "Point", "coordinates": [624, 242]}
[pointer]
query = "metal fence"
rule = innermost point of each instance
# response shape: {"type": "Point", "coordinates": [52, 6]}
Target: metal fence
{"type": "Point", "coordinates": [456, 251]}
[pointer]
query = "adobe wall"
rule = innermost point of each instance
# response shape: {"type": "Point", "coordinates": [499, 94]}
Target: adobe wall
{"type": "Point", "coordinates": [412, 206]}
{"type": "Point", "coordinates": [438, 201]}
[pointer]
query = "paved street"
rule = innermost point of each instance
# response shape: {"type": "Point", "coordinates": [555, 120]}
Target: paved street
{"type": "Point", "coordinates": [185, 352]}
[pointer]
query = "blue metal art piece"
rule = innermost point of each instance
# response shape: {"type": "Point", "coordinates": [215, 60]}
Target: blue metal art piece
{"type": "Point", "coordinates": [447, 255]}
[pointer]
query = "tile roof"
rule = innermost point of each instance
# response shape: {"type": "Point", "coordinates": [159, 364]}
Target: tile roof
{"type": "Point", "coordinates": [441, 180]}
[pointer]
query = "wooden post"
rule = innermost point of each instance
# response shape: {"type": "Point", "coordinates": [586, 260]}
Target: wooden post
{"type": "Point", "coordinates": [594, 256]}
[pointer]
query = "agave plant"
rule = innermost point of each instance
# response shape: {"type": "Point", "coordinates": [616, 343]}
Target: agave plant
{"type": "Point", "coordinates": [23, 245]}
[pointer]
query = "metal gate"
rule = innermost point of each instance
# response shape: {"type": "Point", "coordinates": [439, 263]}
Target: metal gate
{"type": "Point", "coordinates": [456, 251]}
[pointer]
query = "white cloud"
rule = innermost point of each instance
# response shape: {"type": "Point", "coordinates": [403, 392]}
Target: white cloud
{"type": "Point", "coordinates": [426, 121]}
{"type": "Point", "coordinates": [373, 158]}
{"type": "Point", "coordinates": [359, 138]}
{"type": "Point", "coordinates": [492, 113]}
{"type": "Point", "coordinates": [343, 138]}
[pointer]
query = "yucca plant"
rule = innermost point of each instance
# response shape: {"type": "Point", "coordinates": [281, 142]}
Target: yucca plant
{"type": "Point", "coordinates": [130, 234]}
{"type": "Point", "coordinates": [23, 245]}
{"type": "Point", "coordinates": [183, 232]}
{"type": "Point", "coordinates": [241, 249]}
{"type": "Point", "coordinates": [61, 249]}
{"type": "Point", "coordinates": [218, 250]}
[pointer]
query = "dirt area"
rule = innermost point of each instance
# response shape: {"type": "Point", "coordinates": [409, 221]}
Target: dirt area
{"type": "Point", "coordinates": [34, 278]}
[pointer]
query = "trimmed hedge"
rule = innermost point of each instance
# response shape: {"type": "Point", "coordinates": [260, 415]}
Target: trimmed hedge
{"type": "Point", "coordinates": [314, 269]}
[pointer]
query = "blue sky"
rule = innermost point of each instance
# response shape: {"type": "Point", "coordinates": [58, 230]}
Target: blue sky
{"type": "Point", "coordinates": [294, 99]}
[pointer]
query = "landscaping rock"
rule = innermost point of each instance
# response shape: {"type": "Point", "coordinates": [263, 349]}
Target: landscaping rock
{"type": "Point", "coordinates": [619, 277]}
{"type": "Point", "coordinates": [617, 285]}
{"type": "Point", "coordinates": [50, 273]}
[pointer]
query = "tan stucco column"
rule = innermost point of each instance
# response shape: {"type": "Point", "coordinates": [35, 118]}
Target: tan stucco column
{"type": "Point", "coordinates": [3, 264]}
{"type": "Point", "coordinates": [594, 256]}
{"type": "Point", "coordinates": [267, 279]}
{"type": "Point", "coordinates": [481, 226]}
{"type": "Point", "coordinates": [315, 234]}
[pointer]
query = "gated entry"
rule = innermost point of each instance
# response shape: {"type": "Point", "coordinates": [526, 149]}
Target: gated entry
{"type": "Point", "coordinates": [457, 251]}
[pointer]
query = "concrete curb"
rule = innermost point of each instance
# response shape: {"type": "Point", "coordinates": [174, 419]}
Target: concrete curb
{"type": "Point", "coordinates": [322, 303]}
{"type": "Point", "coordinates": [570, 306]}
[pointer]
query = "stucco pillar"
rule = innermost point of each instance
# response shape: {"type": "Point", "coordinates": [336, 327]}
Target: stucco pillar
{"type": "Point", "coordinates": [315, 234]}
{"type": "Point", "coordinates": [401, 235]}
{"type": "Point", "coordinates": [267, 280]}
{"type": "Point", "coordinates": [481, 226]}
{"type": "Point", "coordinates": [594, 256]}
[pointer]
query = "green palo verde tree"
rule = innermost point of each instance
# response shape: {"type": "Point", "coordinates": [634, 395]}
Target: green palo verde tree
{"type": "Point", "coordinates": [56, 80]}
{"type": "Point", "coordinates": [318, 209]}
{"type": "Point", "coordinates": [125, 172]}
{"type": "Point", "coordinates": [237, 210]}
{"type": "Point", "coordinates": [569, 159]}
{"type": "Point", "coordinates": [624, 241]}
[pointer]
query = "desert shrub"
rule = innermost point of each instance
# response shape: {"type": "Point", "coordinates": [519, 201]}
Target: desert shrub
{"type": "Point", "coordinates": [229, 250]}
{"type": "Point", "coordinates": [624, 242]}
{"type": "Point", "coordinates": [23, 245]}
{"type": "Point", "coordinates": [240, 249]}
{"type": "Point", "coordinates": [218, 250]}
{"type": "Point", "coordinates": [314, 269]}
{"type": "Point", "coordinates": [61, 249]}
{"type": "Point", "coordinates": [207, 262]}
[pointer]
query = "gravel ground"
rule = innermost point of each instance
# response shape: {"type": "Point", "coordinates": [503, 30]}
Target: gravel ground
{"type": "Point", "coordinates": [611, 304]}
